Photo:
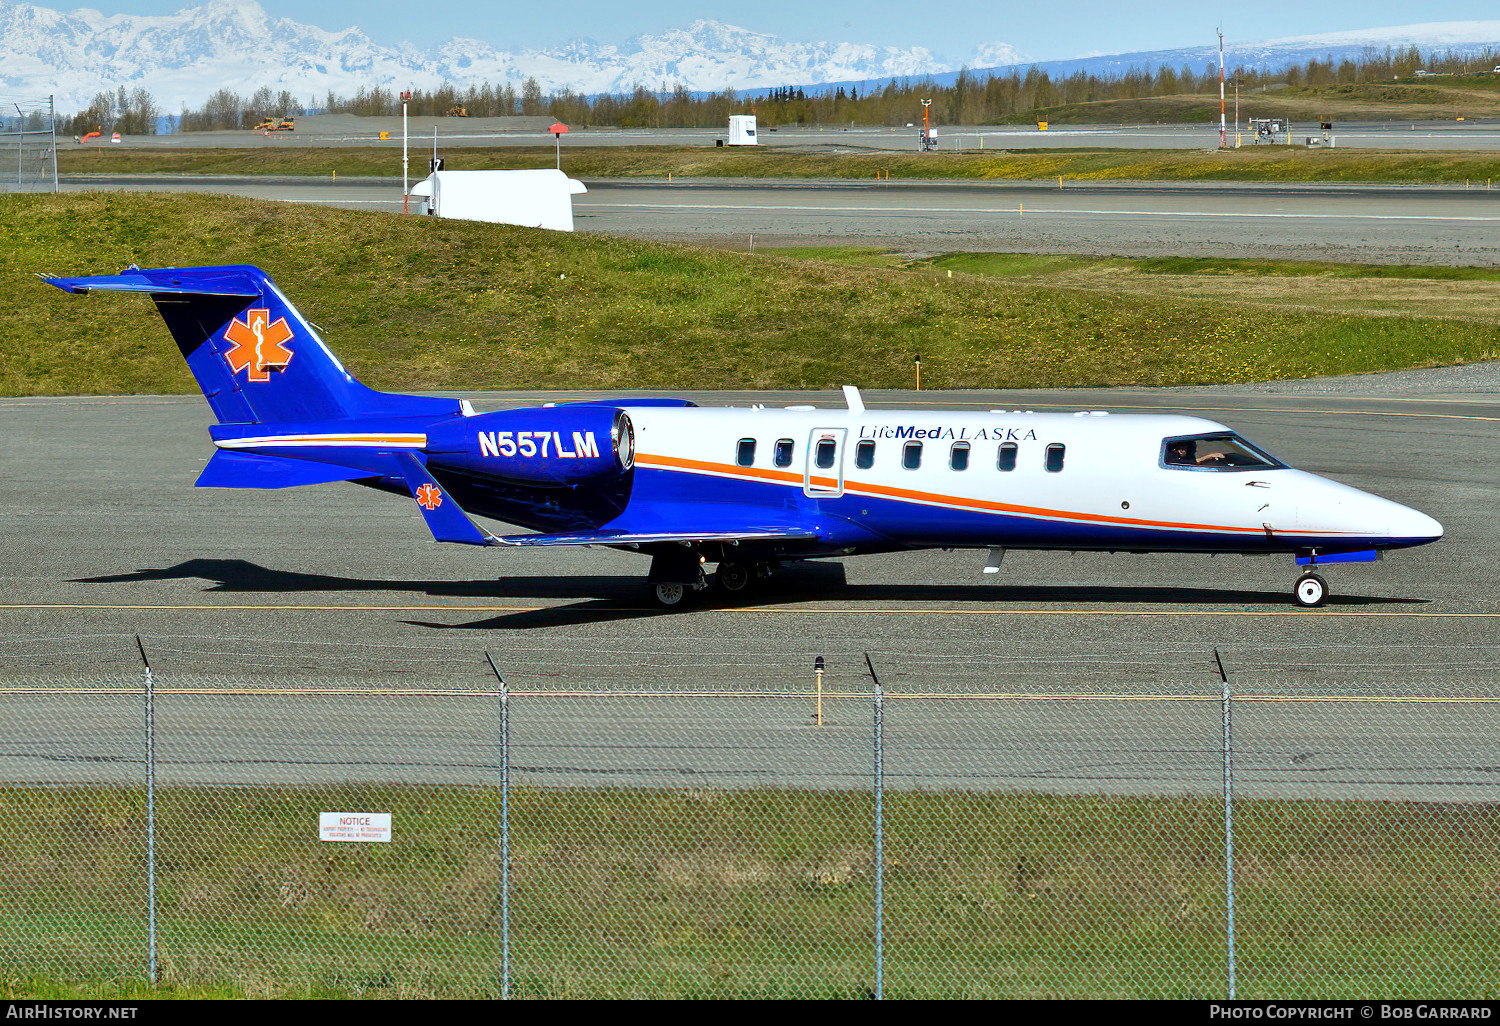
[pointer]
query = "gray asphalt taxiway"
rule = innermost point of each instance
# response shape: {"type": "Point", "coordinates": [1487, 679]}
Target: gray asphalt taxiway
{"type": "Point", "coordinates": [1382, 224]}
{"type": "Point", "coordinates": [1387, 691]}
{"type": "Point", "coordinates": [104, 531]}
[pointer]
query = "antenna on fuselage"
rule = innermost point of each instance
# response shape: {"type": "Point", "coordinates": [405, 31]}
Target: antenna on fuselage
{"type": "Point", "coordinates": [853, 398]}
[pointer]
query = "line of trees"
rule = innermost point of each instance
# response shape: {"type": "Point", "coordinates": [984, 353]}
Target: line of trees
{"type": "Point", "coordinates": [971, 99]}
{"type": "Point", "coordinates": [129, 112]}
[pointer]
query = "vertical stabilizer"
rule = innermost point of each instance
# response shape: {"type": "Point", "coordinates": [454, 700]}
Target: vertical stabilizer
{"type": "Point", "coordinates": [257, 360]}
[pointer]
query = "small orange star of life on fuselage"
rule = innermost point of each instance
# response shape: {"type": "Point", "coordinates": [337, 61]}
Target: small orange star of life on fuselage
{"type": "Point", "coordinates": [257, 345]}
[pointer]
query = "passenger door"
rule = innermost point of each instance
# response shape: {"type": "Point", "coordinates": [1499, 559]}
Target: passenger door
{"type": "Point", "coordinates": [824, 475]}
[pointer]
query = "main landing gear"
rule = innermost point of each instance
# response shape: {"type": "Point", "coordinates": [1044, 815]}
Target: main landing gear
{"type": "Point", "coordinates": [673, 581]}
{"type": "Point", "coordinates": [669, 595]}
{"type": "Point", "coordinates": [734, 577]}
{"type": "Point", "coordinates": [1311, 591]}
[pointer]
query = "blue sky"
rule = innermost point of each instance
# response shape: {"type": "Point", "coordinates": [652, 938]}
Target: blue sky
{"type": "Point", "coordinates": [1045, 31]}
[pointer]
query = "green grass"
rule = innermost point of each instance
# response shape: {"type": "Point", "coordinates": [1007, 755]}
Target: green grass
{"type": "Point", "coordinates": [1247, 164]}
{"type": "Point", "coordinates": [1441, 99]}
{"type": "Point", "coordinates": [413, 303]}
{"type": "Point", "coordinates": [753, 893]}
{"type": "Point", "coordinates": [1032, 265]}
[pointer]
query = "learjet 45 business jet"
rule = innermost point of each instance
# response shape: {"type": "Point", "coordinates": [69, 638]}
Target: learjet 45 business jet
{"type": "Point", "coordinates": [743, 489]}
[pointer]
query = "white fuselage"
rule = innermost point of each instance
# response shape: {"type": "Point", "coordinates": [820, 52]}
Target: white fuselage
{"type": "Point", "coordinates": [919, 478]}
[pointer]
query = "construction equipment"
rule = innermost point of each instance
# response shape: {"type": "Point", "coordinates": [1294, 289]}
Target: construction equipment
{"type": "Point", "coordinates": [1267, 130]}
{"type": "Point", "coordinates": [458, 111]}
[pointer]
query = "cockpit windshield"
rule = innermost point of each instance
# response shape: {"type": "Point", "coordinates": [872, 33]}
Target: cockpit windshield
{"type": "Point", "coordinates": [1226, 451]}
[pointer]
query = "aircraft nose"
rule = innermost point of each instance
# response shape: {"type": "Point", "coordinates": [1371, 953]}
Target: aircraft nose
{"type": "Point", "coordinates": [1410, 523]}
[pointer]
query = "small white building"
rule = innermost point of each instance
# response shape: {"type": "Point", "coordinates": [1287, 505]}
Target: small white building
{"type": "Point", "coordinates": [742, 130]}
{"type": "Point", "coordinates": [536, 199]}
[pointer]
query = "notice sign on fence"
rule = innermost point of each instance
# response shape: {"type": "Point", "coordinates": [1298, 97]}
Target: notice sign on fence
{"type": "Point", "coordinates": [354, 826]}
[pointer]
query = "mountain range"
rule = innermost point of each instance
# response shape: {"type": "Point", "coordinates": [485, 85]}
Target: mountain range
{"type": "Point", "coordinates": [233, 44]}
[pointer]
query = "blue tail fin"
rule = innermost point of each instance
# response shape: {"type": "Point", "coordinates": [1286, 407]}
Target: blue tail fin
{"type": "Point", "coordinates": [255, 357]}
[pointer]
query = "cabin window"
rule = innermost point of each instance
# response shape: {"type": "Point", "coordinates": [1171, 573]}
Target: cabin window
{"type": "Point", "coordinates": [1006, 458]}
{"type": "Point", "coordinates": [1224, 451]}
{"type": "Point", "coordinates": [1055, 453]}
{"type": "Point", "coordinates": [746, 454]}
{"type": "Point", "coordinates": [783, 455]}
{"type": "Point", "coordinates": [864, 455]}
{"type": "Point", "coordinates": [911, 455]}
{"type": "Point", "coordinates": [958, 456]}
{"type": "Point", "coordinates": [824, 452]}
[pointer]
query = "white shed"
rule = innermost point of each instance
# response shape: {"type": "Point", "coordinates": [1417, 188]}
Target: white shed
{"type": "Point", "coordinates": [537, 199]}
{"type": "Point", "coordinates": [742, 130]}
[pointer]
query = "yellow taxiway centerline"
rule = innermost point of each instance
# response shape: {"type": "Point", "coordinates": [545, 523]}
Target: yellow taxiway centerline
{"type": "Point", "coordinates": [799, 696]}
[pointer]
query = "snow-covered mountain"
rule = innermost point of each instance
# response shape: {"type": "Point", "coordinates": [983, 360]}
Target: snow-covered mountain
{"type": "Point", "coordinates": [233, 44]}
{"type": "Point", "coordinates": [1456, 37]}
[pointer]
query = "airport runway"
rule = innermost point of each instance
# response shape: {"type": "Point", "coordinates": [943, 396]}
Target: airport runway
{"type": "Point", "coordinates": [104, 537]}
{"type": "Point", "coordinates": [348, 130]}
{"type": "Point", "coordinates": [1380, 224]}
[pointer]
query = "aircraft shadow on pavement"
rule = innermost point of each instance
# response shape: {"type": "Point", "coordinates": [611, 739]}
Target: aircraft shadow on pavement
{"type": "Point", "coordinates": [624, 597]}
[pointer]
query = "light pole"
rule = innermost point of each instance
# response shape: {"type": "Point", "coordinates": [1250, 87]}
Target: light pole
{"type": "Point", "coordinates": [926, 128]}
{"type": "Point", "coordinates": [405, 192]}
{"type": "Point", "coordinates": [1223, 141]}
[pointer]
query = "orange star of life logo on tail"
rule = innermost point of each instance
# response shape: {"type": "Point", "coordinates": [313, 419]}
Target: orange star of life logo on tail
{"type": "Point", "coordinates": [429, 497]}
{"type": "Point", "coordinates": [258, 345]}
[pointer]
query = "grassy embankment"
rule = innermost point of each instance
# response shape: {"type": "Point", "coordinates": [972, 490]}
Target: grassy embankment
{"type": "Point", "coordinates": [1248, 164]}
{"type": "Point", "coordinates": [418, 304]}
{"type": "Point", "coordinates": [754, 893]}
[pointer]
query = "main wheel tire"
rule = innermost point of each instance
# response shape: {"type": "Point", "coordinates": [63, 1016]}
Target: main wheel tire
{"type": "Point", "coordinates": [733, 576]}
{"type": "Point", "coordinates": [1311, 591]}
{"type": "Point", "coordinates": [669, 595]}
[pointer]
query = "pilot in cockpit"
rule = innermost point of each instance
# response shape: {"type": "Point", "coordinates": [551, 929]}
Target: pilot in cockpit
{"type": "Point", "coordinates": [1180, 453]}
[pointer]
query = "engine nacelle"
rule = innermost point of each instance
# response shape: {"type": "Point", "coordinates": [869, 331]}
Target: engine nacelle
{"type": "Point", "coordinates": [555, 445]}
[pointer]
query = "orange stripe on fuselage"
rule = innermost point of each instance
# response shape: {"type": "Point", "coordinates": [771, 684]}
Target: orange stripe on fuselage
{"type": "Point", "coordinates": [929, 498]}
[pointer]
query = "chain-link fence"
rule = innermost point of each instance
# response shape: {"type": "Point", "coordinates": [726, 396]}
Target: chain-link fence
{"type": "Point", "coordinates": [28, 144]}
{"type": "Point", "coordinates": [650, 829]}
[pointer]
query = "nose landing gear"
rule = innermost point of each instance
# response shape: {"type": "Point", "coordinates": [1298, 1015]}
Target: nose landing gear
{"type": "Point", "coordinates": [1311, 591]}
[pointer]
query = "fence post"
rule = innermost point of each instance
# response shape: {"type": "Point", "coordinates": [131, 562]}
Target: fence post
{"type": "Point", "coordinates": [879, 741]}
{"type": "Point", "coordinates": [504, 832]}
{"type": "Point", "coordinates": [150, 815]}
{"type": "Point", "coordinates": [1228, 817]}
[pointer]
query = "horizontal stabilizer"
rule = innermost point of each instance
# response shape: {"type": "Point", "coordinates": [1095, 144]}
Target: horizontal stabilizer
{"type": "Point", "coordinates": [218, 281]}
{"type": "Point", "coordinates": [246, 470]}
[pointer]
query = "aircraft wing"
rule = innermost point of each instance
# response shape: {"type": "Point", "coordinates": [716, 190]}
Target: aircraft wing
{"type": "Point", "coordinates": [607, 537]}
{"type": "Point", "coordinates": [708, 522]}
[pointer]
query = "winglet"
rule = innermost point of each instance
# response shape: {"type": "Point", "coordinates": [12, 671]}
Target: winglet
{"type": "Point", "coordinates": [445, 518]}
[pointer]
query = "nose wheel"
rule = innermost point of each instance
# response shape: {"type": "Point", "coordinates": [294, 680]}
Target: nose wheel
{"type": "Point", "coordinates": [1311, 591]}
